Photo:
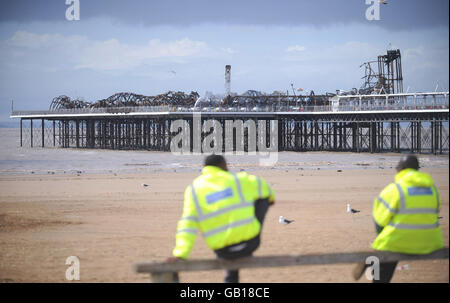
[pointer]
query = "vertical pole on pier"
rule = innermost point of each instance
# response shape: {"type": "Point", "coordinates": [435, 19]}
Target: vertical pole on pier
{"type": "Point", "coordinates": [419, 137]}
{"type": "Point", "coordinates": [146, 133]}
{"type": "Point", "coordinates": [334, 136]}
{"type": "Point", "coordinates": [112, 129]}
{"type": "Point", "coordinates": [42, 128]}
{"type": "Point", "coordinates": [31, 126]}
{"type": "Point", "coordinates": [437, 136]}
{"type": "Point", "coordinates": [118, 134]}
{"type": "Point", "coordinates": [164, 135]}
{"type": "Point", "coordinates": [358, 139]}
{"type": "Point", "coordinates": [440, 137]}
{"type": "Point", "coordinates": [158, 134]}
{"type": "Point", "coordinates": [88, 135]}
{"type": "Point", "coordinates": [305, 136]}
{"type": "Point", "coordinates": [316, 127]}
{"type": "Point", "coordinates": [323, 137]}
{"type": "Point", "coordinates": [374, 139]}
{"type": "Point", "coordinates": [104, 133]}
{"type": "Point", "coordinates": [141, 132]}
{"type": "Point", "coordinates": [77, 132]}
{"type": "Point", "coordinates": [392, 136]}
{"type": "Point", "coordinates": [65, 131]}
{"type": "Point", "coordinates": [149, 133]}
{"type": "Point", "coordinates": [20, 132]}
{"type": "Point", "coordinates": [71, 132]}
{"type": "Point", "coordinates": [344, 136]}
{"type": "Point", "coordinates": [127, 136]}
{"type": "Point", "coordinates": [433, 143]}
{"type": "Point", "coordinates": [100, 133]}
{"type": "Point", "coordinates": [54, 133]}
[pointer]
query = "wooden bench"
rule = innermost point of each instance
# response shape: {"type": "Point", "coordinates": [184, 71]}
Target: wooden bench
{"type": "Point", "coordinates": [163, 271]}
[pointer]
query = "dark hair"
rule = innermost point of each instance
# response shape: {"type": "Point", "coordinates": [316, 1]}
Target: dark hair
{"type": "Point", "coordinates": [215, 160]}
{"type": "Point", "coordinates": [409, 161]}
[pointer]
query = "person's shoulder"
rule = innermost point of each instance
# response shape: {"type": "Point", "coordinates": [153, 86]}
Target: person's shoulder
{"type": "Point", "coordinates": [194, 182]}
{"type": "Point", "coordinates": [389, 189]}
{"type": "Point", "coordinates": [250, 177]}
{"type": "Point", "coordinates": [246, 177]}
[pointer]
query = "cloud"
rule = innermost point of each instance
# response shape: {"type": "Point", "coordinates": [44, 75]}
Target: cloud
{"type": "Point", "coordinates": [113, 55]}
{"type": "Point", "coordinates": [229, 50]}
{"type": "Point", "coordinates": [412, 53]}
{"type": "Point", "coordinates": [78, 52]}
{"type": "Point", "coordinates": [296, 48]}
{"type": "Point", "coordinates": [334, 54]}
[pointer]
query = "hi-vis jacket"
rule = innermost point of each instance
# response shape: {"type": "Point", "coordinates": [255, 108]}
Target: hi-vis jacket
{"type": "Point", "coordinates": [408, 210]}
{"type": "Point", "coordinates": [221, 206]}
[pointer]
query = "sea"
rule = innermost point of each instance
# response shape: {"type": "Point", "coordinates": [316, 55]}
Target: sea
{"type": "Point", "coordinates": [53, 160]}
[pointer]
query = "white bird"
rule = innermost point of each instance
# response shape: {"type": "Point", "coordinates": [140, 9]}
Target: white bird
{"type": "Point", "coordinates": [382, 2]}
{"type": "Point", "coordinates": [144, 185]}
{"type": "Point", "coordinates": [284, 221]}
{"type": "Point", "coordinates": [351, 210]}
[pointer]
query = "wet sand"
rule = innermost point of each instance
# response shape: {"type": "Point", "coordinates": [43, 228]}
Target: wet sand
{"type": "Point", "coordinates": [110, 222]}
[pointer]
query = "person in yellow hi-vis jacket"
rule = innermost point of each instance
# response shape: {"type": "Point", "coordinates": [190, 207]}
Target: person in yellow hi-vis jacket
{"type": "Point", "coordinates": [406, 215]}
{"type": "Point", "coordinates": [229, 211]}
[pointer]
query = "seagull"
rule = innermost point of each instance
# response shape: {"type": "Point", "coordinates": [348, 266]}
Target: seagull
{"type": "Point", "coordinates": [144, 185]}
{"type": "Point", "coordinates": [173, 72]}
{"type": "Point", "coordinates": [285, 221]}
{"type": "Point", "coordinates": [351, 210]}
{"type": "Point", "coordinates": [382, 2]}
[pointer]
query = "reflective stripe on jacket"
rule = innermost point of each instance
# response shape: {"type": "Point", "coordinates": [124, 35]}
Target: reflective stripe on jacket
{"type": "Point", "coordinates": [408, 210]}
{"type": "Point", "coordinates": [221, 206]}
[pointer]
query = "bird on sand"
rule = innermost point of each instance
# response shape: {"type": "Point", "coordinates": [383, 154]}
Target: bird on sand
{"type": "Point", "coordinates": [284, 221]}
{"type": "Point", "coordinates": [351, 210]}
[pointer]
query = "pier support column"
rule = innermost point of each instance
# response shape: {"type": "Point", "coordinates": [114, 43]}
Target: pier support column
{"type": "Point", "coordinates": [31, 127]}
{"type": "Point", "coordinates": [77, 133]}
{"type": "Point", "coordinates": [373, 137]}
{"type": "Point", "coordinates": [20, 132]}
{"type": "Point", "coordinates": [42, 132]}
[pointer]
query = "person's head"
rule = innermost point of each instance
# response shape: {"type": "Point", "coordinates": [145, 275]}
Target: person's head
{"type": "Point", "coordinates": [216, 160]}
{"type": "Point", "coordinates": [409, 161]}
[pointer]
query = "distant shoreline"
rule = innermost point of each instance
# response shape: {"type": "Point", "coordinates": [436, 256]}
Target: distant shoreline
{"type": "Point", "coordinates": [10, 124]}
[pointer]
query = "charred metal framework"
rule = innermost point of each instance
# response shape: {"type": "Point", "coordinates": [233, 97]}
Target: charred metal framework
{"type": "Point", "coordinates": [418, 131]}
{"type": "Point", "coordinates": [388, 79]}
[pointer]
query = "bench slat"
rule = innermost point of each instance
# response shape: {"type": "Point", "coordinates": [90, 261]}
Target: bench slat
{"type": "Point", "coordinates": [280, 261]}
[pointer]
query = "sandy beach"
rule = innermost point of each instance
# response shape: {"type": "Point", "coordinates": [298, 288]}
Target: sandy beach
{"type": "Point", "coordinates": [110, 222]}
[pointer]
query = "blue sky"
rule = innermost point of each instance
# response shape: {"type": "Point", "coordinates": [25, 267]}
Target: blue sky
{"type": "Point", "coordinates": [135, 45]}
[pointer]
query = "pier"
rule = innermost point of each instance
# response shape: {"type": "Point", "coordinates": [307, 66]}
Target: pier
{"type": "Point", "coordinates": [416, 122]}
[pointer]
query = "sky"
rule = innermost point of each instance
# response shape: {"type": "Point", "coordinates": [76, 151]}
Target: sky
{"type": "Point", "coordinates": [151, 47]}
